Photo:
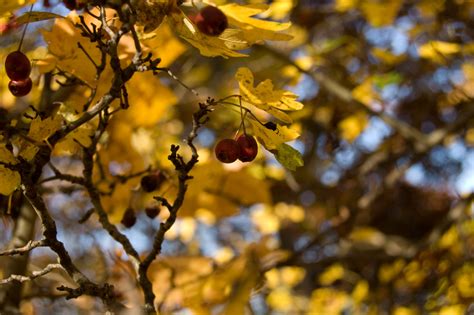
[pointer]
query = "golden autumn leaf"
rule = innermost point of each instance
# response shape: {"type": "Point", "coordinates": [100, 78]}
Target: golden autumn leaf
{"type": "Point", "coordinates": [63, 40]}
{"type": "Point", "coordinates": [272, 139]}
{"type": "Point", "coordinates": [254, 30]}
{"type": "Point", "coordinates": [149, 100]}
{"type": "Point", "coordinates": [380, 13]}
{"type": "Point", "coordinates": [264, 96]}
{"type": "Point", "coordinates": [10, 179]}
{"type": "Point", "coordinates": [208, 46]}
{"type": "Point", "coordinates": [438, 51]}
{"type": "Point", "coordinates": [365, 92]}
{"type": "Point", "coordinates": [40, 130]}
{"type": "Point", "coordinates": [345, 5]}
{"type": "Point", "coordinates": [352, 126]}
{"type": "Point", "coordinates": [217, 190]}
{"type": "Point", "coordinates": [72, 143]}
{"type": "Point", "coordinates": [243, 31]}
{"type": "Point", "coordinates": [331, 274]}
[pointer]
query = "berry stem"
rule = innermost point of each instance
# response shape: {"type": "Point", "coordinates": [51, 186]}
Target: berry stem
{"type": "Point", "coordinates": [242, 116]}
{"type": "Point", "coordinates": [172, 75]}
{"type": "Point", "coordinates": [26, 26]}
{"type": "Point", "coordinates": [247, 111]}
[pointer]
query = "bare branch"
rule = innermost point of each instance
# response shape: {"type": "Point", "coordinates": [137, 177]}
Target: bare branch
{"type": "Point", "coordinates": [34, 274]}
{"type": "Point", "coordinates": [25, 249]}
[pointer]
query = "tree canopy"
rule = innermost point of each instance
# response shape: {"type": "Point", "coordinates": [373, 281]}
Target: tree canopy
{"type": "Point", "coordinates": [237, 157]}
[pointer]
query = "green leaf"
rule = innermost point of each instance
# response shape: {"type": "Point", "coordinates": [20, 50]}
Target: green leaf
{"type": "Point", "coordinates": [289, 157]}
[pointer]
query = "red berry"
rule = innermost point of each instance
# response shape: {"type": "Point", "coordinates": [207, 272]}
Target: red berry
{"type": "Point", "coordinates": [17, 66]}
{"type": "Point", "coordinates": [248, 148]}
{"type": "Point", "coordinates": [152, 212]}
{"type": "Point", "coordinates": [227, 150]}
{"type": "Point", "coordinates": [152, 182]}
{"type": "Point", "coordinates": [20, 88]}
{"type": "Point", "coordinates": [211, 21]}
{"type": "Point", "coordinates": [129, 219]}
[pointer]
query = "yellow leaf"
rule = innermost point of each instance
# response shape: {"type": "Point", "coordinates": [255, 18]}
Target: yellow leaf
{"type": "Point", "coordinates": [8, 6]}
{"type": "Point", "coordinates": [345, 5]}
{"type": "Point", "coordinates": [279, 9]}
{"type": "Point", "coordinates": [243, 14]}
{"type": "Point", "coordinates": [367, 235]}
{"type": "Point", "coordinates": [270, 139]}
{"type": "Point", "coordinates": [63, 42]}
{"type": "Point", "coordinates": [146, 109]}
{"type": "Point", "coordinates": [224, 255]}
{"type": "Point", "coordinates": [10, 179]}
{"type": "Point", "coordinates": [361, 291]}
{"type": "Point", "coordinates": [464, 280]}
{"type": "Point", "coordinates": [291, 276]}
{"type": "Point", "coordinates": [449, 238]}
{"type": "Point", "coordinates": [177, 271]}
{"type": "Point", "coordinates": [164, 44]}
{"type": "Point", "coordinates": [352, 126]}
{"type": "Point", "coordinates": [217, 190]}
{"type": "Point", "coordinates": [254, 30]}
{"type": "Point", "coordinates": [452, 310]}
{"type": "Point", "coordinates": [40, 130]}
{"type": "Point", "coordinates": [265, 220]}
{"type": "Point", "coordinates": [331, 274]}
{"type": "Point", "coordinates": [365, 92]}
{"type": "Point", "coordinates": [264, 96]}
{"type": "Point", "coordinates": [272, 277]}
{"type": "Point", "coordinates": [380, 13]}
{"type": "Point", "coordinates": [242, 287]}
{"type": "Point", "coordinates": [281, 299]}
{"type": "Point", "coordinates": [438, 51]}
{"type": "Point", "coordinates": [187, 228]}
{"type": "Point", "coordinates": [208, 46]}
{"type": "Point", "coordinates": [72, 143]}
{"type": "Point", "coordinates": [328, 301]}
{"type": "Point", "coordinates": [403, 310]}
{"type": "Point", "coordinates": [387, 272]}
{"type": "Point", "coordinates": [387, 57]}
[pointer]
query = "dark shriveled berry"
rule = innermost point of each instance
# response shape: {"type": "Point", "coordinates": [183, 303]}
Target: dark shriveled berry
{"type": "Point", "coordinates": [227, 150]}
{"type": "Point", "coordinates": [152, 212]}
{"type": "Point", "coordinates": [152, 182]}
{"type": "Point", "coordinates": [20, 88]}
{"type": "Point", "coordinates": [211, 21]}
{"type": "Point", "coordinates": [248, 148]}
{"type": "Point", "coordinates": [129, 219]}
{"type": "Point", "coordinates": [17, 66]}
{"type": "Point", "coordinates": [270, 125]}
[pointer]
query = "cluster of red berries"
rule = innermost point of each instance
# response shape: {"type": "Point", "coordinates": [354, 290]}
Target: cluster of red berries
{"type": "Point", "coordinates": [210, 21]}
{"type": "Point", "coordinates": [245, 148]}
{"type": "Point", "coordinates": [129, 217]}
{"type": "Point", "coordinates": [18, 68]}
{"type": "Point", "coordinates": [148, 183]}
